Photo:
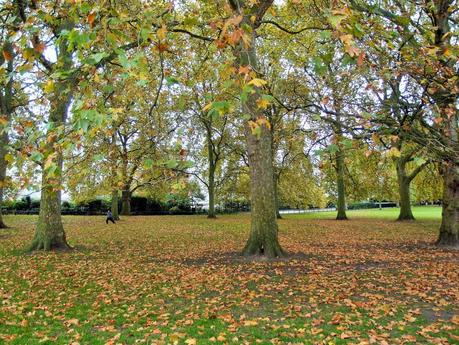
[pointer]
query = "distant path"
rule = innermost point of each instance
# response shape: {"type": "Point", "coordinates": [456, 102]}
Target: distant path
{"type": "Point", "coordinates": [312, 210]}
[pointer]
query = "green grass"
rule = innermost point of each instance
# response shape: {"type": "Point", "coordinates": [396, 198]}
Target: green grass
{"type": "Point", "coordinates": [180, 280]}
{"type": "Point", "coordinates": [419, 212]}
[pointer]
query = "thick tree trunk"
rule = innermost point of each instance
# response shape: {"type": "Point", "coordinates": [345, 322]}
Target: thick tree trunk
{"type": "Point", "coordinates": [404, 192]}
{"type": "Point", "coordinates": [114, 205]}
{"type": "Point", "coordinates": [263, 239]}
{"type": "Point", "coordinates": [126, 202]}
{"type": "Point", "coordinates": [49, 232]}
{"type": "Point", "coordinates": [446, 99]}
{"type": "Point", "coordinates": [449, 229]}
{"type": "Point", "coordinates": [405, 200]}
{"type": "Point", "coordinates": [340, 170]}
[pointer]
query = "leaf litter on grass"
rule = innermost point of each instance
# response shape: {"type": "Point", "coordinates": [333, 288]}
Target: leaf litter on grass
{"type": "Point", "coordinates": [167, 280]}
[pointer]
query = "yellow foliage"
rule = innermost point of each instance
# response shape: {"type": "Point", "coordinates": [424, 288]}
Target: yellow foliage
{"type": "Point", "coordinates": [257, 82]}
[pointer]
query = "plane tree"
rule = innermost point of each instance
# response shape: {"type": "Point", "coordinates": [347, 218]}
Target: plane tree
{"type": "Point", "coordinates": [430, 58]}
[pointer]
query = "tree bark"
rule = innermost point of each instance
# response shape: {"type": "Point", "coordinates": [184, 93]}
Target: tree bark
{"type": "Point", "coordinates": [446, 99]}
{"type": "Point", "coordinates": [211, 177]}
{"type": "Point", "coordinates": [405, 200]}
{"type": "Point", "coordinates": [3, 166]}
{"type": "Point", "coordinates": [340, 162]}
{"type": "Point", "coordinates": [263, 238]}
{"type": "Point", "coordinates": [340, 170]}
{"type": "Point", "coordinates": [211, 188]}
{"type": "Point", "coordinates": [276, 195]}
{"type": "Point", "coordinates": [449, 229]}
{"type": "Point", "coordinates": [126, 202]}
{"type": "Point", "coordinates": [404, 191]}
{"type": "Point", "coordinates": [114, 205]}
{"type": "Point", "coordinates": [6, 100]}
{"type": "Point", "coordinates": [49, 232]}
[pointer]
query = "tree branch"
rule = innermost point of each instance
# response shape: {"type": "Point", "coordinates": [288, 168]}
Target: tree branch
{"type": "Point", "coordinates": [292, 32]}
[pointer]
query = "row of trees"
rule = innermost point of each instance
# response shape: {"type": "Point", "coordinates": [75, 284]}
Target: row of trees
{"type": "Point", "coordinates": [299, 100]}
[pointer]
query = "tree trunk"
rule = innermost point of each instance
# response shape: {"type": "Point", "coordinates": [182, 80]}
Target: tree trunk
{"type": "Point", "coordinates": [211, 212]}
{"type": "Point", "coordinates": [3, 165]}
{"type": "Point", "coordinates": [339, 161]}
{"type": "Point", "coordinates": [449, 229]}
{"type": "Point", "coordinates": [340, 170]}
{"type": "Point", "coordinates": [263, 239]}
{"type": "Point", "coordinates": [404, 192]}
{"type": "Point", "coordinates": [211, 177]}
{"type": "Point", "coordinates": [49, 232]}
{"type": "Point", "coordinates": [125, 202]}
{"type": "Point", "coordinates": [276, 172]}
{"type": "Point", "coordinates": [114, 206]}
{"type": "Point", "coordinates": [446, 99]}
{"type": "Point", "coordinates": [276, 195]}
{"type": "Point", "coordinates": [6, 99]}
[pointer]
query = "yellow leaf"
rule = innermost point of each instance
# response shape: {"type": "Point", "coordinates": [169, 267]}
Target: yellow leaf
{"type": "Point", "coordinates": [346, 39]}
{"type": "Point", "coordinates": [9, 158]}
{"type": "Point", "coordinates": [394, 152]}
{"type": "Point", "coordinates": [258, 82]}
{"type": "Point", "coordinates": [262, 103]}
{"type": "Point", "coordinates": [28, 54]}
{"type": "Point", "coordinates": [263, 121]}
{"type": "Point", "coordinates": [250, 323]}
{"type": "Point", "coordinates": [190, 341]}
{"type": "Point", "coordinates": [207, 107]}
{"type": "Point", "coordinates": [49, 86]}
{"type": "Point", "coordinates": [375, 138]}
{"type": "Point", "coordinates": [162, 32]}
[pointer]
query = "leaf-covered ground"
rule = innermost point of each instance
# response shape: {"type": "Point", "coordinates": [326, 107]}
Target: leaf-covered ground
{"type": "Point", "coordinates": [179, 280]}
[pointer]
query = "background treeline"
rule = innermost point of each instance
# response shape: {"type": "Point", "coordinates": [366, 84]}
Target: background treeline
{"type": "Point", "coordinates": [139, 206]}
{"type": "Point", "coordinates": [147, 206]}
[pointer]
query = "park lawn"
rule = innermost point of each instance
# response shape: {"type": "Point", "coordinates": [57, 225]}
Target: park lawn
{"type": "Point", "coordinates": [180, 280]}
{"type": "Point", "coordinates": [390, 213]}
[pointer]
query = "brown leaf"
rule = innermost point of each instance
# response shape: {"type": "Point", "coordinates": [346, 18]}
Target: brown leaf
{"type": "Point", "coordinates": [91, 18]}
{"type": "Point", "coordinates": [7, 55]}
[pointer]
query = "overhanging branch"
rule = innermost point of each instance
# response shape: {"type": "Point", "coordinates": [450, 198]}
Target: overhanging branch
{"type": "Point", "coordinates": [292, 32]}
